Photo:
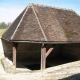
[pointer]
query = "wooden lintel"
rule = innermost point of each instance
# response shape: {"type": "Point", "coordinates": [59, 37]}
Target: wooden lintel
{"type": "Point", "coordinates": [43, 58]}
{"type": "Point", "coordinates": [48, 52]}
{"type": "Point", "coordinates": [14, 50]}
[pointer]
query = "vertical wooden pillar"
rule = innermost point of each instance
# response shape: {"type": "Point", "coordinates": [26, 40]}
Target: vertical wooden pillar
{"type": "Point", "coordinates": [14, 50]}
{"type": "Point", "coordinates": [43, 57]}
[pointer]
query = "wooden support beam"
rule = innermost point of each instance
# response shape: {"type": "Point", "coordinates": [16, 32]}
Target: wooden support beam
{"type": "Point", "coordinates": [48, 52]}
{"type": "Point", "coordinates": [43, 59]}
{"type": "Point", "coordinates": [14, 51]}
{"type": "Point", "coordinates": [44, 55]}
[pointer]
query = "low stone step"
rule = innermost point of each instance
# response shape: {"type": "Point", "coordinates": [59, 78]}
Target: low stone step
{"type": "Point", "coordinates": [7, 64]}
{"type": "Point", "coordinates": [1, 69]}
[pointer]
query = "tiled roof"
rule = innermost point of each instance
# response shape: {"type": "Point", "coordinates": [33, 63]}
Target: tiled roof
{"type": "Point", "coordinates": [45, 23]}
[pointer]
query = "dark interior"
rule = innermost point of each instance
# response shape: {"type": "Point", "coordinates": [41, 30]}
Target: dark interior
{"type": "Point", "coordinates": [62, 53]}
{"type": "Point", "coordinates": [29, 54]}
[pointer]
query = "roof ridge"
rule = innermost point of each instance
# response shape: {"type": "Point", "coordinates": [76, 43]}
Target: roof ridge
{"type": "Point", "coordinates": [20, 21]}
{"type": "Point", "coordinates": [54, 7]}
{"type": "Point", "coordinates": [39, 24]}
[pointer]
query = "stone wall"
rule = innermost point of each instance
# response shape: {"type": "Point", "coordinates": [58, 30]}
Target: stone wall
{"type": "Point", "coordinates": [7, 47]}
{"type": "Point", "coordinates": [27, 50]}
{"type": "Point", "coordinates": [71, 50]}
{"type": "Point", "coordinates": [33, 51]}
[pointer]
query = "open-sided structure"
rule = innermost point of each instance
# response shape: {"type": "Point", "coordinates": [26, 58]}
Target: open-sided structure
{"type": "Point", "coordinates": [44, 25]}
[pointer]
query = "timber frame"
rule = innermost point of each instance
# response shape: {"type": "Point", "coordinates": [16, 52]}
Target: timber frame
{"type": "Point", "coordinates": [44, 54]}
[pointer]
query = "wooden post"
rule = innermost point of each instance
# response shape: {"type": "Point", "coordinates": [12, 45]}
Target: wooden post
{"type": "Point", "coordinates": [14, 50]}
{"type": "Point", "coordinates": [44, 55]}
{"type": "Point", "coordinates": [43, 58]}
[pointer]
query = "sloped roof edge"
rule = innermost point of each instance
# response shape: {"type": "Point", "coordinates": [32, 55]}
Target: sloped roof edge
{"type": "Point", "coordinates": [39, 24]}
{"type": "Point", "coordinates": [30, 4]}
{"type": "Point", "coordinates": [19, 22]}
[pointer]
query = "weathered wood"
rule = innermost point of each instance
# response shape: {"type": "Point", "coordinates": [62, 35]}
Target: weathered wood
{"type": "Point", "coordinates": [14, 51]}
{"type": "Point", "coordinates": [44, 55]}
{"type": "Point", "coordinates": [43, 59]}
{"type": "Point", "coordinates": [48, 52]}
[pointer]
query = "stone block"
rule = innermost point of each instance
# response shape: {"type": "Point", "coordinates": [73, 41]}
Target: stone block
{"type": "Point", "coordinates": [8, 65]}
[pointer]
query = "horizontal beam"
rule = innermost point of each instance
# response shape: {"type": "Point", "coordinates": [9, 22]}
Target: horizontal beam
{"type": "Point", "coordinates": [45, 42]}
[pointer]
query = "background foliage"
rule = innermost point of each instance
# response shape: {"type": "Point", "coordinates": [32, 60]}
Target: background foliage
{"type": "Point", "coordinates": [3, 27]}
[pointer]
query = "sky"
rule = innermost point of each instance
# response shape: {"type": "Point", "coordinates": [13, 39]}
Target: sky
{"type": "Point", "coordinates": [10, 9]}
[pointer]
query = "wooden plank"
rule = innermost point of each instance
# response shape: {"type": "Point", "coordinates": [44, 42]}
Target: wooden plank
{"type": "Point", "coordinates": [43, 59]}
{"type": "Point", "coordinates": [48, 52]}
{"type": "Point", "coordinates": [14, 51]}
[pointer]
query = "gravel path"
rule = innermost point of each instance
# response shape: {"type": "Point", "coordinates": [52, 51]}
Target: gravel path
{"type": "Point", "coordinates": [69, 71]}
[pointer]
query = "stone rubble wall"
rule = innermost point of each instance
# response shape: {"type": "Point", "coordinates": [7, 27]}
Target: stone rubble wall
{"type": "Point", "coordinates": [33, 51]}
{"type": "Point", "coordinates": [71, 51]}
{"type": "Point", "coordinates": [26, 50]}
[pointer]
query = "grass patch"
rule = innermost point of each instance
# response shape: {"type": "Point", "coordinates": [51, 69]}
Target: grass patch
{"type": "Point", "coordinates": [2, 31]}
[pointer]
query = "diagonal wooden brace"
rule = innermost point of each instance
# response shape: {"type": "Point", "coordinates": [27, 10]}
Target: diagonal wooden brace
{"type": "Point", "coordinates": [48, 52]}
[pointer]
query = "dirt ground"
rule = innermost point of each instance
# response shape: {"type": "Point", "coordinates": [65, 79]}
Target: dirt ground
{"type": "Point", "coordinates": [69, 71]}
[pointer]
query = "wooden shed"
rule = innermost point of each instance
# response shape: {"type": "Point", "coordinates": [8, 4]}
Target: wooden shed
{"type": "Point", "coordinates": [38, 26]}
